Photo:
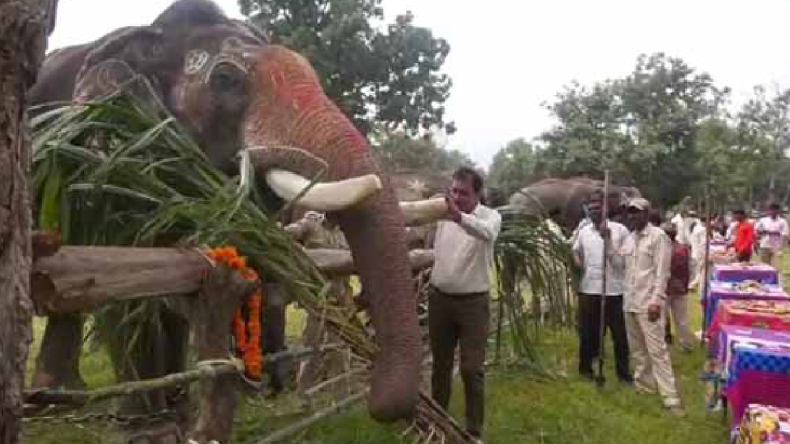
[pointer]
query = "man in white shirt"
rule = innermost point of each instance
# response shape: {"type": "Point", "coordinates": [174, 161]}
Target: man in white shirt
{"type": "Point", "coordinates": [699, 236]}
{"type": "Point", "coordinates": [458, 311]}
{"type": "Point", "coordinates": [647, 253]}
{"type": "Point", "coordinates": [772, 231]}
{"type": "Point", "coordinates": [588, 252]}
{"type": "Point", "coordinates": [679, 220]}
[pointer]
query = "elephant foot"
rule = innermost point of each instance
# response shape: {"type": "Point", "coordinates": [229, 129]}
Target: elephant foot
{"type": "Point", "coordinates": [46, 379]}
{"type": "Point", "coordinates": [57, 365]}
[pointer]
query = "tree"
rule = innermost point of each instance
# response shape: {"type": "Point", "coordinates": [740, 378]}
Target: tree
{"type": "Point", "coordinates": [513, 166]}
{"type": "Point", "coordinates": [643, 128]}
{"type": "Point", "coordinates": [23, 31]}
{"type": "Point", "coordinates": [587, 138]}
{"type": "Point", "coordinates": [389, 77]}
{"type": "Point", "coordinates": [398, 151]}
{"type": "Point", "coordinates": [764, 130]}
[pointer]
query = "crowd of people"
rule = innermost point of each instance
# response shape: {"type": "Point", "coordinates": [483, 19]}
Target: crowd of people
{"type": "Point", "coordinates": [651, 267]}
{"type": "Point", "coordinates": [636, 274]}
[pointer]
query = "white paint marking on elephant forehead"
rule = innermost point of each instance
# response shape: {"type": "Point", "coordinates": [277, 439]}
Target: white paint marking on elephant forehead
{"type": "Point", "coordinates": [418, 186]}
{"type": "Point", "coordinates": [194, 61]}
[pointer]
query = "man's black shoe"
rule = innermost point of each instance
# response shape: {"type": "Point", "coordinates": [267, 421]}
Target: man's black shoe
{"type": "Point", "coordinates": [628, 380]}
{"type": "Point", "coordinates": [587, 375]}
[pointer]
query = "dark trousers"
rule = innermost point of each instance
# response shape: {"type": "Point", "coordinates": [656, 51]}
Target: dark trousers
{"type": "Point", "coordinates": [589, 332]}
{"type": "Point", "coordinates": [452, 321]}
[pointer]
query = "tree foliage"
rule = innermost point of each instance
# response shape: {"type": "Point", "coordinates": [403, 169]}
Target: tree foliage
{"type": "Point", "coordinates": [513, 166]}
{"type": "Point", "coordinates": [391, 77]}
{"type": "Point", "coordinates": [643, 128]}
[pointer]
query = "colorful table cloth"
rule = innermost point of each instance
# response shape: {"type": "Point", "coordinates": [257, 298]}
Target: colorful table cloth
{"type": "Point", "coordinates": [764, 424]}
{"type": "Point", "coordinates": [757, 376]}
{"type": "Point", "coordinates": [740, 272]}
{"type": "Point", "coordinates": [731, 336]}
{"type": "Point", "coordinates": [767, 315]}
{"type": "Point", "coordinates": [718, 291]}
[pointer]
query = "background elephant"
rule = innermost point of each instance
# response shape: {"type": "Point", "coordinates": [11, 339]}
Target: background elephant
{"type": "Point", "coordinates": [563, 198]}
{"type": "Point", "coordinates": [233, 91]}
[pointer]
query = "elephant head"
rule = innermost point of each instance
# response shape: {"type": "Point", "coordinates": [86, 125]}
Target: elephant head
{"type": "Point", "coordinates": [233, 91]}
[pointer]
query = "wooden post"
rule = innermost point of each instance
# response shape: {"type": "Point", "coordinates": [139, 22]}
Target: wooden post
{"type": "Point", "coordinates": [210, 313]}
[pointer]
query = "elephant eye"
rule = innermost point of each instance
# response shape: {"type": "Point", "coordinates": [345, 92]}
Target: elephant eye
{"type": "Point", "coordinates": [225, 76]}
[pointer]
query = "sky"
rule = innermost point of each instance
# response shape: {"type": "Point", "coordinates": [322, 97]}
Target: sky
{"type": "Point", "coordinates": [508, 57]}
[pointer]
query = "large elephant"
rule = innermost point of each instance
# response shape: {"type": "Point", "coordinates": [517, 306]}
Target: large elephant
{"type": "Point", "coordinates": [563, 199]}
{"type": "Point", "coordinates": [233, 91]}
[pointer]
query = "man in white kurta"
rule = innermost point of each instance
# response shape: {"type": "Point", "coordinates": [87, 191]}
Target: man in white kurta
{"type": "Point", "coordinates": [647, 253]}
{"type": "Point", "coordinates": [772, 231]}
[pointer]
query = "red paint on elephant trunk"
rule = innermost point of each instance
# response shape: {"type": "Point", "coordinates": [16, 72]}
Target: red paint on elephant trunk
{"type": "Point", "coordinates": [290, 109]}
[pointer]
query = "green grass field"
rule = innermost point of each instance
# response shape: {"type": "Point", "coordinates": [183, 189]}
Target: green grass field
{"type": "Point", "coordinates": [520, 408]}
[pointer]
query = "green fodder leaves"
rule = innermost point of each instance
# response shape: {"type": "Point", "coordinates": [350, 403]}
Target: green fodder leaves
{"type": "Point", "coordinates": [117, 172]}
{"type": "Point", "coordinates": [533, 278]}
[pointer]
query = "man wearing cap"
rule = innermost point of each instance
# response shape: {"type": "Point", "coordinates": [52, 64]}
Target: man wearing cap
{"type": "Point", "coordinates": [647, 252]}
{"type": "Point", "coordinates": [772, 231]}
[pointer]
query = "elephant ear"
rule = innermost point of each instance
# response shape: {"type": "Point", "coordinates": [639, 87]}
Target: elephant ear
{"type": "Point", "coordinates": [127, 59]}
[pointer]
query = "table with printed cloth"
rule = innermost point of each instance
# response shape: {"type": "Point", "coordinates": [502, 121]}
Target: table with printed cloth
{"type": "Point", "coordinates": [763, 424]}
{"type": "Point", "coordinates": [739, 272]}
{"type": "Point", "coordinates": [766, 314]}
{"type": "Point", "coordinates": [757, 375]}
{"type": "Point", "coordinates": [721, 291]}
{"type": "Point", "coordinates": [730, 336]}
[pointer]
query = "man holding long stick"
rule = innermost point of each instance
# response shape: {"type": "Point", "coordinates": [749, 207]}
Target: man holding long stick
{"type": "Point", "coordinates": [588, 249]}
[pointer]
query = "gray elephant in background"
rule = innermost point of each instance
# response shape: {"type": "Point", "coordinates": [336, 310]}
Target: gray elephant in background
{"type": "Point", "coordinates": [563, 199]}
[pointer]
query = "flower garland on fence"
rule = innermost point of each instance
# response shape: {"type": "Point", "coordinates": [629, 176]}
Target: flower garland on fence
{"type": "Point", "coordinates": [247, 333]}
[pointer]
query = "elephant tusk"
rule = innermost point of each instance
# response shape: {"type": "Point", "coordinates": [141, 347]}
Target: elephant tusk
{"type": "Point", "coordinates": [328, 196]}
{"type": "Point", "coordinates": [421, 212]}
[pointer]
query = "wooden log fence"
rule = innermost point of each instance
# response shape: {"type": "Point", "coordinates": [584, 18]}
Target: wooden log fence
{"type": "Point", "coordinates": [73, 279]}
{"type": "Point", "coordinates": [76, 279]}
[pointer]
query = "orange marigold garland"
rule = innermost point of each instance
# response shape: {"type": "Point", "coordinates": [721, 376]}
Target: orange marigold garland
{"type": "Point", "coordinates": [247, 333]}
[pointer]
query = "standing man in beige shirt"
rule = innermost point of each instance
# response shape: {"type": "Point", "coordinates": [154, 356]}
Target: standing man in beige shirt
{"type": "Point", "coordinates": [458, 312]}
{"type": "Point", "coordinates": [647, 252]}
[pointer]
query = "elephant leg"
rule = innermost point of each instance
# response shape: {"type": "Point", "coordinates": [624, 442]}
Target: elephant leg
{"type": "Point", "coordinates": [176, 347]}
{"type": "Point", "coordinates": [273, 332]}
{"type": "Point", "coordinates": [138, 350]}
{"type": "Point", "coordinates": [58, 363]}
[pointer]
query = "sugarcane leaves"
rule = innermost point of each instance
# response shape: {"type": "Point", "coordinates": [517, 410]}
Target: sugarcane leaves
{"type": "Point", "coordinates": [532, 266]}
{"type": "Point", "coordinates": [127, 174]}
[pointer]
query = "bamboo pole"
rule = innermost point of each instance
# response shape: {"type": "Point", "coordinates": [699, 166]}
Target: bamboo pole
{"type": "Point", "coordinates": [302, 424]}
{"type": "Point", "coordinates": [324, 384]}
{"type": "Point", "coordinates": [706, 266]}
{"type": "Point", "coordinates": [203, 371]}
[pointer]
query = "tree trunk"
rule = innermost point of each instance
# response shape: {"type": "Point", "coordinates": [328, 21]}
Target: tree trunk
{"type": "Point", "coordinates": [23, 29]}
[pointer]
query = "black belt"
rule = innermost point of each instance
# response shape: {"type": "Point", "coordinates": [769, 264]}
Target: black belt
{"type": "Point", "coordinates": [460, 295]}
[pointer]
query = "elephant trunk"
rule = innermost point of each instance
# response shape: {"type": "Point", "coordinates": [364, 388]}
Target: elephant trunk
{"type": "Point", "coordinates": [295, 127]}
